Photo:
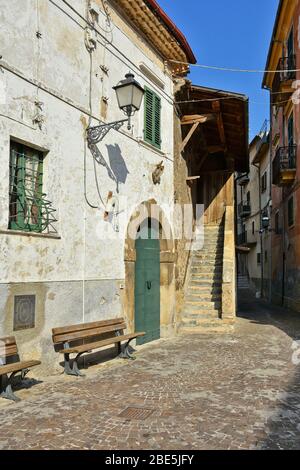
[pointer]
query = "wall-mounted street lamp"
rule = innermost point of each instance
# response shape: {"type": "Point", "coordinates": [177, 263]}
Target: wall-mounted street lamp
{"type": "Point", "coordinates": [129, 95]}
{"type": "Point", "coordinates": [265, 222]}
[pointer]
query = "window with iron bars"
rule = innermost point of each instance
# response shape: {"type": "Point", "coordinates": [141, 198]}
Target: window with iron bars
{"type": "Point", "coordinates": [28, 208]}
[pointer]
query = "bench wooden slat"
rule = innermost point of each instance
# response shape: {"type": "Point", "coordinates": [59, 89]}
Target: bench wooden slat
{"type": "Point", "coordinates": [8, 346]}
{"type": "Point", "coordinates": [99, 344]}
{"type": "Point", "coordinates": [8, 351]}
{"type": "Point", "coordinates": [17, 366]}
{"type": "Point", "coordinates": [86, 326]}
{"type": "Point", "coordinates": [8, 340]}
{"type": "Point", "coordinates": [87, 333]}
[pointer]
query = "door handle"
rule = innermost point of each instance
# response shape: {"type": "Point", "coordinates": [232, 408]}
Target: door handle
{"type": "Point", "coordinates": [149, 284]}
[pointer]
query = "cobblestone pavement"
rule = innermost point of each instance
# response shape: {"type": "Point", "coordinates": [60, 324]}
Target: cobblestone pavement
{"type": "Point", "coordinates": [234, 391]}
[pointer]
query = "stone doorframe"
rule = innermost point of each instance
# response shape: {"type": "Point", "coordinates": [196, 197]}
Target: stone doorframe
{"type": "Point", "coordinates": [167, 262]}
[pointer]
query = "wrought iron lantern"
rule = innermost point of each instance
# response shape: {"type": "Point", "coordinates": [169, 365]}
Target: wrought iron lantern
{"type": "Point", "coordinates": [265, 221]}
{"type": "Point", "coordinates": [129, 95]}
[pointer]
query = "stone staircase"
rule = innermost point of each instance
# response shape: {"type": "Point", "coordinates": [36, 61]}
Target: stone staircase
{"type": "Point", "coordinates": [203, 298]}
{"type": "Point", "coordinates": [243, 282]}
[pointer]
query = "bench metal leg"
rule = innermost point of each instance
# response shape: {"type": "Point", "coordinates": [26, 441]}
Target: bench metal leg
{"type": "Point", "coordinates": [74, 369]}
{"type": "Point", "coordinates": [67, 367]}
{"type": "Point", "coordinates": [75, 366]}
{"type": "Point", "coordinates": [125, 352]}
{"type": "Point", "coordinates": [6, 388]}
{"type": "Point", "coordinates": [24, 372]}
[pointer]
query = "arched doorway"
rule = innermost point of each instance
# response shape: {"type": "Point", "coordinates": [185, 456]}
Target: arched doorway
{"type": "Point", "coordinates": [146, 210]}
{"type": "Point", "coordinates": [147, 281]}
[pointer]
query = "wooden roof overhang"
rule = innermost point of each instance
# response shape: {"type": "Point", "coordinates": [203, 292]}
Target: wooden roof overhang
{"type": "Point", "coordinates": [224, 130]}
{"type": "Point", "coordinates": [160, 31]}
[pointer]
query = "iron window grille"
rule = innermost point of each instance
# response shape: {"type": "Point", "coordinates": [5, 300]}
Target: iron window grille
{"type": "Point", "coordinates": [29, 210]}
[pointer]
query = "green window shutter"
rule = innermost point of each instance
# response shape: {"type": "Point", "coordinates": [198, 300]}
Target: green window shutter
{"type": "Point", "coordinates": [148, 132]}
{"type": "Point", "coordinates": [152, 124]}
{"type": "Point", "coordinates": [157, 121]}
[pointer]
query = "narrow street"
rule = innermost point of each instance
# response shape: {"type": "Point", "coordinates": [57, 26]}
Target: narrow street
{"type": "Point", "coordinates": [215, 391]}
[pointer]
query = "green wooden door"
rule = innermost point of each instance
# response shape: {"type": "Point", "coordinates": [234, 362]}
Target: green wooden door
{"type": "Point", "coordinates": [147, 286]}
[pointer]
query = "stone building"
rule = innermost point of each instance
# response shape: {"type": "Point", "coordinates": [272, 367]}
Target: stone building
{"type": "Point", "coordinates": [66, 252]}
{"type": "Point", "coordinates": [253, 195]}
{"type": "Point", "coordinates": [284, 58]}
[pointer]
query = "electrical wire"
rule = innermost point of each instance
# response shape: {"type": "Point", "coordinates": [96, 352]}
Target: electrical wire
{"type": "Point", "coordinates": [229, 69]}
{"type": "Point", "coordinates": [228, 98]}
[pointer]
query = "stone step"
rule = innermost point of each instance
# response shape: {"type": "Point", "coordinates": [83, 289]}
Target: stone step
{"type": "Point", "coordinates": [211, 239]}
{"type": "Point", "coordinates": [205, 254]}
{"type": "Point", "coordinates": [212, 227]}
{"type": "Point", "coordinates": [211, 314]}
{"type": "Point", "coordinates": [202, 313]}
{"type": "Point", "coordinates": [206, 276]}
{"type": "Point", "coordinates": [202, 304]}
{"type": "Point", "coordinates": [203, 297]}
{"type": "Point", "coordinates": [203, 263]}
{"type": "Point", "coordinates": [204, 330]}
{"type": "Point", "coordinates": [205, 283]}
{"type": "Point", "coordinates": [214, 258]}
{"type": "Point", "coordinates": [206, 269]}
{"type": "Point", "coordinates": [201, 321]}
{"type": "Point", "coordinates": [206, 296]}
{"type": "Point", "coordinates": [205, 289]}
{"type": "Point", "coordinates": [211, 246]}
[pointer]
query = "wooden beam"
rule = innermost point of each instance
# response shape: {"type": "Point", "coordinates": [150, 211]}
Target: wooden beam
{"type": "Point", "coordinates": [200, 118]}
{"type": "Point", "coordinates": [216, 106]}
{"type": "Point", "coordinates": [191, 178]}
{"type": "Point", "coordinates": [216, 148]}
{"type": "Point", "coordinates": [191, 132]}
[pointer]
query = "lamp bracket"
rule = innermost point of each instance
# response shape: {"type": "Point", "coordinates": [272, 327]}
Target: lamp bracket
{"type": "Point", "coordinates": [97, 133]}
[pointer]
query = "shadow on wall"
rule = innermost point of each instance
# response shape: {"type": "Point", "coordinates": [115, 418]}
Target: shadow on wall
{"type": "Point", "coordinates": [117, 164]}
{"type": "Point", "coordinates": [116, 168]}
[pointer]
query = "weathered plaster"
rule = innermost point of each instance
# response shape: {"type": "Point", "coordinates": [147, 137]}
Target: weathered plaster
{"type": "Point", "coordinates": [61, 64]}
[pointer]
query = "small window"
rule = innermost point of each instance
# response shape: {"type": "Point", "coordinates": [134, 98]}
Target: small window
{"type": "Point", "coordinates": [264, 182]}
{"type": "Point", "coordinates": [258, 258]}
{"type": "Point", "coordinates": [253, 228]}
{"type": "Point", "coordinates": [248, 198]}
{"type": "Point", "coordinates": [291, 211]}
{"type": "Point", "coordinates": [266, 256]}
{"type": "Point", "coordinates": [25, 191]}
{"type": "Point", "coordinates": [152, 124]}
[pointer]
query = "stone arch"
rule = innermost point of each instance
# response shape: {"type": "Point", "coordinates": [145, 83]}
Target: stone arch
{"type": "Point", "coordinates": [150, 209]}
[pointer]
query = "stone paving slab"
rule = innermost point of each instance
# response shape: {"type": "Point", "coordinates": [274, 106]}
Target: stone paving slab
{"type": "Point", "coordinates": [219, 391]}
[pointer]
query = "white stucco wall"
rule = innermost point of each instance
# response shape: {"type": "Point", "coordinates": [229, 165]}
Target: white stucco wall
{"type": "Point", "coordinates": [62, 67]}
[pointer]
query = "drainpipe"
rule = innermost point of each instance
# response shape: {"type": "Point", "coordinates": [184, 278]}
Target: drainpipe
{"type": "Point", "coordinates": [261, 234]}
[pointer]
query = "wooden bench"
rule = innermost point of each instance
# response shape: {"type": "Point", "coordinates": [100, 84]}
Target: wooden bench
{"type": "Point", "coordinates": [86, 337]}
{"type": "Point", "coordinates": [10, 364]}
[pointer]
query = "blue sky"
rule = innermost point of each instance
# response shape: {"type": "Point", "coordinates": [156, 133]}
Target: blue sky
{"type": "Point", "coordinates": [229, 33]}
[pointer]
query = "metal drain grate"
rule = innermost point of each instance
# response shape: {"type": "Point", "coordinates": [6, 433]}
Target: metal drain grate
{"type": "Point", "coordinates": [136, 413]}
